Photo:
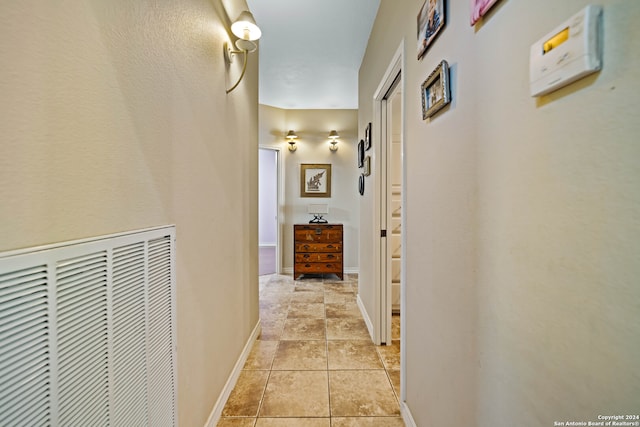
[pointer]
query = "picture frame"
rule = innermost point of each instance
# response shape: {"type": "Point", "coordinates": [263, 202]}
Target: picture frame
{"type": "Point", "coordinates": [367, 166]}
{"type": "Point", "coordinates": [431, 20]}
{"type": "Point", "coordinates": [436, 91]}
{"type": "Point", "coordinates": [315, 180]}
{"type": "Point", "coordinates": [361, 153]}
{"type": "Point", "coordinates": [367, 137]}
{"type": "Point", "coordinates": [479, 8]}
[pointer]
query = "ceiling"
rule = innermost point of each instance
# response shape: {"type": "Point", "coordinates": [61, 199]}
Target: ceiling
{"type": "Point", "coordinates": [311, 50]}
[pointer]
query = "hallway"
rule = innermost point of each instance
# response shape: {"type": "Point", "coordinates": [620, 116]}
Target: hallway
{"type": "Point", "coordinates": [314, 364]}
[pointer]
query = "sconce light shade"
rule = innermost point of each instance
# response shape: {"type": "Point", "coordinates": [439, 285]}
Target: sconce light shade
{"type": "Point", "coordinates": [291, 136]}
{"type": "Point", "coordinates": [333, 136]}
{"type": "Point", "coordinates": [247, 31]}
{"type": "Point", "coordinates": [245, 27]}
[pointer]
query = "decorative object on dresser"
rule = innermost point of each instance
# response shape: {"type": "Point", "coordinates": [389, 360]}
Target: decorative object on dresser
{"type": "Point", "coordinates": [318, 210]}
{"type": "Point", "coordinates": [317, 249]}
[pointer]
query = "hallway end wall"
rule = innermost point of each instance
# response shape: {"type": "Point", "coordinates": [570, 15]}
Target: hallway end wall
{"type": "Point", "coordinates": [312, 128]}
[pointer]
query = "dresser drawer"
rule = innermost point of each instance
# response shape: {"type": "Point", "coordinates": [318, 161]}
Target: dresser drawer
{"type": "Point", "coordinates": [318, 257]}
{"type": "Point", "coordinates": [318, 247]}
{"type": "Point", "coordinates": [318, 235]}
{"type": "Point", "coordinates": [319, 267]}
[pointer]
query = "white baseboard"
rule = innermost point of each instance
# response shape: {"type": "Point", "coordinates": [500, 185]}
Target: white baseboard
{"type": "Point", "coordinates": [406, 415]}
{"type": "Point", "coordinates": [216, 413]}
{"type": "Point", "coordinates": [366, 318]}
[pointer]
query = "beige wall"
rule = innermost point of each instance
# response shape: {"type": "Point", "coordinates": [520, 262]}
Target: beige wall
{"type": "Point", "coordinates": [522, 222]}
{"type": "Point", "coordinates": [114, 117]}
{"type": "Point", "coordinates": [312, 128]}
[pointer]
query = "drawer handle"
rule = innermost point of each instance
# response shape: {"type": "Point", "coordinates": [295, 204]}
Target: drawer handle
{"type": "Point", "coordinates": [307, 265]}
{"type": "Point", "coordinates": [330, 246]}
{"type": "Point", "coordinates": [318, 231]}
{"type": "Point", "coordinates": [306, 256]}
{"type": "Point", "coordinates": [330, 256]}
{"type": "Point", "coordinates": [306, 246]}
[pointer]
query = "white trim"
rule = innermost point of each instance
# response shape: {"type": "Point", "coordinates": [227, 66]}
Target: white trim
{"type": "Point", "coordinates": [267, 245]}
{"type": "Point", "coordinates": [83, 240]}
{"type": "Point", "coordinates": [382, 311]}
{"type": "Point", "coordinates": [406, 415]}
{"type": "Point", "coordinates": [216, 412]}
{"type": "Point", "coordinates": [365, 316]}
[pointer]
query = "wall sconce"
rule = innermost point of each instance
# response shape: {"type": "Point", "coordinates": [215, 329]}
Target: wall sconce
{"type": "Point", "coordinates": [291, 136]}
{"type": "Point", "coordinates": [247, 31]}
{"type": "Point", "coordinates": [333, 136]}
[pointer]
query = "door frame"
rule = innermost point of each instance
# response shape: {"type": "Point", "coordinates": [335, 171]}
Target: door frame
{"type": "Point", "coordinates": [382, 328]}
{"type": "Point", "coordinates": [279, 207]}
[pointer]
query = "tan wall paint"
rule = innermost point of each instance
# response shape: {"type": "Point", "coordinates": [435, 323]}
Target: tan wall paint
{"type": "Point", "coordinates": [312, 128]}
{"type": "Point", "coordinates": [114, 118]}
{"type": "Point", "coordinates": [522, 223]}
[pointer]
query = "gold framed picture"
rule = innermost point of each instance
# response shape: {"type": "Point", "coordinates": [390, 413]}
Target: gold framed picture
{"type": "Point", "coordinates": [315, 180]}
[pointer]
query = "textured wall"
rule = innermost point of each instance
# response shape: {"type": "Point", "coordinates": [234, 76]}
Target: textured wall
{"type": "Point", "coordinates": [114, 118]}
{"type": "Point", "coordinates": [522, 221]}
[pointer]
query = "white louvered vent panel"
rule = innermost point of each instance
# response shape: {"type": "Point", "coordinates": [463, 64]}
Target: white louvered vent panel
{"type": "Point", "coordinates": [161, 376]}
{"type": "Point", "coordinates": [82, 340]}
{"type": "Point", "coordinates": [24, 347]}
{"type": "Point", "coordinates": [129, 336]}
{"type": "Point", "coordinates": [87, 333]}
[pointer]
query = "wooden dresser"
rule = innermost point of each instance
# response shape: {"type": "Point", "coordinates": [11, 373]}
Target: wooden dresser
{"type": "Point", "coordinates": [317, 249]}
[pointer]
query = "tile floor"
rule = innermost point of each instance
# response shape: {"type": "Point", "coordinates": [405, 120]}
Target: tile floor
{"type": "Point", "coordinates": [314, 364]}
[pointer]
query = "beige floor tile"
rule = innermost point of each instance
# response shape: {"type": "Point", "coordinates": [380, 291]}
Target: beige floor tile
{"type": "Point", "coordinates": [394, 376]}
{"type": "Point", "coordinates": [340, 287]}
{"type": "Point", "coordinates": [347, 329]}
{"type": "Point", "coordinates": [294, 422]}
{"type": "Point", "coordinates": [390, 355]}
{"type": "Point", "coordinates": [362, 393]}
{"type": "Point", "coordinates": [304, 310]}
{"type": "Point", "coordinates": [339, 298]}
{"type": "Point", "coordinates": [296, 394]}
{"type": "Point", "coordinates": [244, 400]}
{"type": "Point", "coordinates": [236, 422]}
{"type": "Point", "coordinates": [309, 285]}
{"type": "Point", "coordinates": [343, 310]}
{"type": "Point", "coordinates": [261, 355]}
{"type": "Point", "coordinates": [307, 297]}
{"type": "Point", "coordinates": [301, 356]}
{"type": "Point", "coordinates": [274, 311]}
{"type": "Point", "coordinates": [367, 422]}
{"type": "Point", "coordinates": [271, 329]}
{"type": "Point", "coordinates": [353, 355]}
{"type": "Point", "coordinates": [395, 327]}
{"type": "Point", "coordinates": [304, 329]}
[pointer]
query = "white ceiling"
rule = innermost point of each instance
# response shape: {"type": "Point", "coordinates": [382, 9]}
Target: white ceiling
{"type": "Point", "coordinates": [311, 50]}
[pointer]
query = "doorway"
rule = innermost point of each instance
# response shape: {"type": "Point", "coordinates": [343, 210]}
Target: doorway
{"type": "Point", "coordinates": [391, 284]}
{"type": "Point", "coordinates": [268, 208]}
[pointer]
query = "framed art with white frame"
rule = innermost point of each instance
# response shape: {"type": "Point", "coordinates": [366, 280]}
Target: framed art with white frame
{"type": "Point", "coordinates": [435, 90]}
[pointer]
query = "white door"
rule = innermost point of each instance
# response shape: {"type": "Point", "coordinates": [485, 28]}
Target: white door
{"type": "Point", "coordinates": [391, 206]}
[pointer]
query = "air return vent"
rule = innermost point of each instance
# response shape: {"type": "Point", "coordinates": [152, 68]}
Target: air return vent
{"type": "Point", "coordinates": [87, 332]}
